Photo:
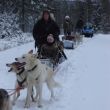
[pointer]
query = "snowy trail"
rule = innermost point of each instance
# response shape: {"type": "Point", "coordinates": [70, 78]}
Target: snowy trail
{"type": "Point", "coordinates": [92, 72]}
{"type": "Point", "coordinates": [85, 77]}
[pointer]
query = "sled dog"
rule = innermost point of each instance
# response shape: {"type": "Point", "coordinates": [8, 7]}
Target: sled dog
{"type": "Point", "coordinates": [38, 73]}
{"type": "Point", "coordinates": [79, 38]}
{"type": "Point", "coordinates": [5, 103]}
{"type": "Point", "coordinates": [21, 75]}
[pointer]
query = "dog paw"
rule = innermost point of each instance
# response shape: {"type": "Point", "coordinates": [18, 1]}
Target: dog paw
{"type": "Point", "coordinates": [39, 106]}
{"type": "Point", "coordinates": [35, 100]}
{"type": "Point", "coordinates": [26, 106]}
{"type": "Point", "coordinates": [13, 103]}
{"type": "Point", "coordinates": [51, 100]}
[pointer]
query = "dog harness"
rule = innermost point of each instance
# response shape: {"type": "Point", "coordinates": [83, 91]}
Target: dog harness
{"type": "Point", "coordinates": [32, 68]}
{"type": "Point", "coordinates": [21, 71]}
{"type": "Point", "coordinates": [21, 83]}
{"type": "Point", "coordinates": [21, 78]}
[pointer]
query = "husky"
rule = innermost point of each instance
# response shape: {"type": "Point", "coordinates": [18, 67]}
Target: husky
{"type": "Point", "coordinates": [21, 75]}
{"type": "Point", "coordinates": [39, 71]}
{"type": "Point", "coordinates": [79, 38]}
{"type": "Point", "coordinates": [5, 103]}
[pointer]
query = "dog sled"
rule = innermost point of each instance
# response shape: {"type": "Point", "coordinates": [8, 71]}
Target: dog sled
{"type": "Point", "coordinates": [53, 63]}
{"type": "Point", "coordinates": [52, 58]}
{"type": "Point", "coordinates": [69, 41]}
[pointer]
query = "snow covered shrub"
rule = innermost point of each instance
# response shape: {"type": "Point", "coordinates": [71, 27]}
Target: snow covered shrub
{"type": "Point", "coordinates": [10, 33]}
{"type": "Point", "coordinates": [8, 26]}
{"type": "Point", "coordinates": [7, 42]}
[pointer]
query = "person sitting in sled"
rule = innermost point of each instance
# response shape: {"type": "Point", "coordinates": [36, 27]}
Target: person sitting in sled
{"type": "Point", "coordinates": [44, 28]}
{"type": "Point", "coordinates": [51, 48]}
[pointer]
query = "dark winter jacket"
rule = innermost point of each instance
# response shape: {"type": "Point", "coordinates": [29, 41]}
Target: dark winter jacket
{"type": "Point", "coordinates": [68, 27]}
{"type": "Point", "coordinates": [42, 29]}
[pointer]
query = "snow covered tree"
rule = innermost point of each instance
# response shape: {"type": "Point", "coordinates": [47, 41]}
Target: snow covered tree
{"type": "Point", "coordinates": [105, 15]}
{"type": "Point", "coordinates": [9, 26]}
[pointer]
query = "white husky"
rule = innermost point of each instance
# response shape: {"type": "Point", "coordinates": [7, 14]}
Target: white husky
{"type": "Point", "coordinates": [38, 73]}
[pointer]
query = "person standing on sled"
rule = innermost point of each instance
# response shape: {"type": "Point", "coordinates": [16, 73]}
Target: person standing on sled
{"type": "Point", "coordinates": [46, 32]}
{"type": "Point", "coordinates": [79, 25]}
{"type": "Point", "coordinates": [67, 26]}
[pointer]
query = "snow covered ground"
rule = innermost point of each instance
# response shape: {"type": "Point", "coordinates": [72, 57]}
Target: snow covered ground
{"type": "Point", "coordinates": [85, 77]}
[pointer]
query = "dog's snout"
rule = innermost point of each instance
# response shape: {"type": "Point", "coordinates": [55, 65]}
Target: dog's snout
{"type": "Point", "coordinates": [16, 59]}
{"type": "Point", "coordinates": [7, 64]}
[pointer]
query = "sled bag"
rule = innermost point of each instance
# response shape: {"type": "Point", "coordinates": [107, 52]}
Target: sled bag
{"type": "Point", "coordinates": [68, 44]}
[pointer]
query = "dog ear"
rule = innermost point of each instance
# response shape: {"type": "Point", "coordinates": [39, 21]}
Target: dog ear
{"type": "Point", "coordinates": [30, 52]}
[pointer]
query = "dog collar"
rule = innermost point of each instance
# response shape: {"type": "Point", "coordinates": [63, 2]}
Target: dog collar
{"type": "Point", "coordinates": [21, 71]}
{"type": "Point", "coordinates": [32, 68]}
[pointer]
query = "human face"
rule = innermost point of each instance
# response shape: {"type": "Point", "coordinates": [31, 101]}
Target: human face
{"type": "Point", "coordinates": [46, 16]}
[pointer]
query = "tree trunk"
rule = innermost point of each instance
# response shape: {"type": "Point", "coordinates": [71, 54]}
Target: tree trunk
{"type": "Point", "coordinates": [23, 17]}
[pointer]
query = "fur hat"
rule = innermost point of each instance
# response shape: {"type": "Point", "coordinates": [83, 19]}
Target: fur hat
{"type": "Point", "coordinates": [51, 15]}
{"type": "Point", "coordinates": [67, 17]}
{"type": "Point", "coordinates": [46, 11]}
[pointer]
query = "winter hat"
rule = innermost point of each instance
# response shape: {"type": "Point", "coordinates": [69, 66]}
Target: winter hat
{"type": "Point", "coordinates": [67, 17]}
{"type": "Point", "coordinates": [46, 11]}
{"type": "Point", "coordinates": [50, 38]}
